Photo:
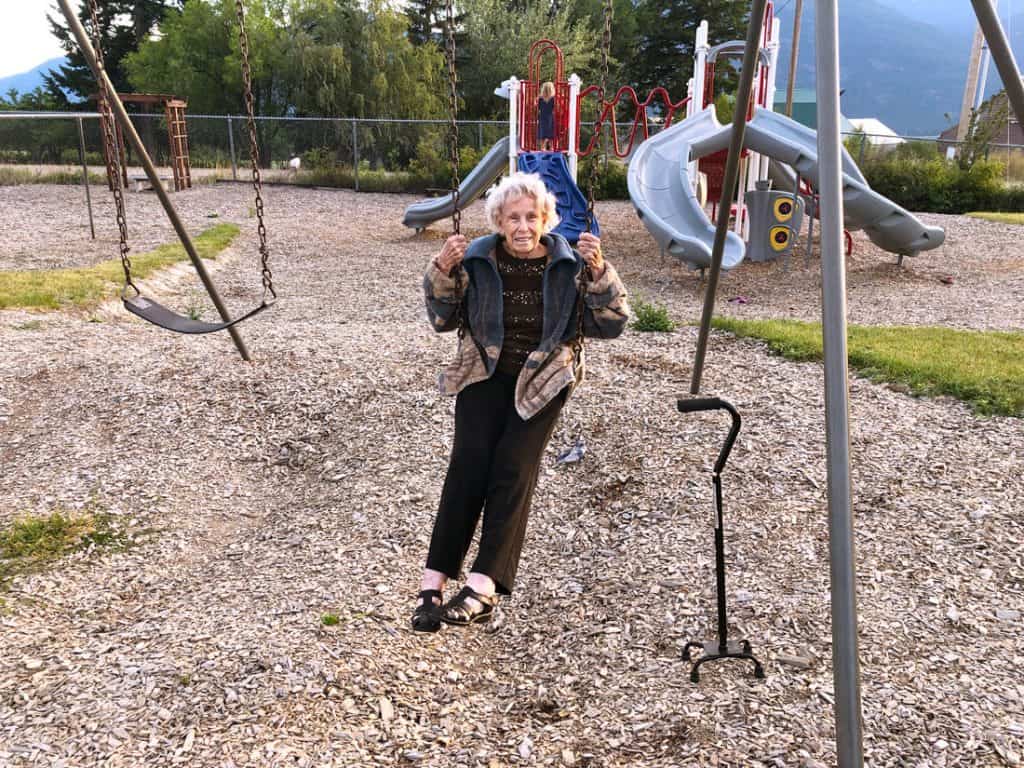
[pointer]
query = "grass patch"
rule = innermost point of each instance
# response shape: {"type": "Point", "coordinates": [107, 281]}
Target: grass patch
{"type": "Point", "coordinates": [12, 177]}
{"type": "Point", "coordinates": [330, 620]}
{"type": "Point", "coordinates": [1001, 218]}
{"type": "Point", "coordinates": [87, 286]}
{"type": "Point", "coordinates": [983, 368]}
{"type": "Point", "coordinates": [31, 325]}
{"type": "Point", "coordinates": [651, 317]}
{"type": "Point", "coordinates": [32, 541]}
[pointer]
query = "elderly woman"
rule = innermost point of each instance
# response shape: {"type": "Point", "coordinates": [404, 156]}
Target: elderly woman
{"type": "Point", "coordinates": [516, 295]}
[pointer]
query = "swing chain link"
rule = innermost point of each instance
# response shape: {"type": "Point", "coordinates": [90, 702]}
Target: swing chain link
{"type": "Point", "coordinates": [254, 153]}
{"type": "Point", "coordinates": [453, 151]}
{"type": "Point", "coordinates": [112, 156]}
{"type": "Point", "coordinates": [606, 44]}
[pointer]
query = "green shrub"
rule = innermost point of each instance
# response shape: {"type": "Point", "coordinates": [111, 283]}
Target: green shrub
{"type": "Point", "coordinates": [919, 183]}
{"type": "Point", "coordinates": [610, 183]}
{"type": "Point", "coordinates": [651, 317]}
{"type": "Point", "coordinates": [71, 156]}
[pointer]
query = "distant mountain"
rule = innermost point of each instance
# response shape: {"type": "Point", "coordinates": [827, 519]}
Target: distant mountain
{"type": "Point", "coordinates": [902, 61]}
{"type": "Point", "coordinates": [27, 82]}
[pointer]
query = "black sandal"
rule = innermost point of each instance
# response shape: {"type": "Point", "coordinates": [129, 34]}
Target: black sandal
{"type": "Point", "coordinates": [461, 614]}
{"type": "Point", "coordinates": [427, 615]}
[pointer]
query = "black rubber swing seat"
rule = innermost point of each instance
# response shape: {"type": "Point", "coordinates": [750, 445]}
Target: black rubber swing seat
{"type": "Point", "coordinates": [161, 316]}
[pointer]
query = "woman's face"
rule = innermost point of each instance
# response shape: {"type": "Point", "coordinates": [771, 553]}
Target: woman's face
{"type": "Point", "coordinates": [522, 223]}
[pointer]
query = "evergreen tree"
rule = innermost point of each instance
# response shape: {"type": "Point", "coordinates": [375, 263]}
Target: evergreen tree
{"type": "Point", "coordinates": [667, 31]}
{"type": "Point", "coordinates": [124, 25]}
{"type": "Point", "coordinates": [426, 21]}
{"type": "Point", "coordinates": [498, 40]}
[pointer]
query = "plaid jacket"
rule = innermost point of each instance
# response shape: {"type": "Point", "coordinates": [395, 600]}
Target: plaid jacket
{"type": "Point", "coordinates": [550, 368]}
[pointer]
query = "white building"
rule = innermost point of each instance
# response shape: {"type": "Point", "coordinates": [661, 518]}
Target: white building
{"type": "Point", "coordinates": [877, 132]}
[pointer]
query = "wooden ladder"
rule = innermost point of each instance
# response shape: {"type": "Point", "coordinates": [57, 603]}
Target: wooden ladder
{"type": "Point", "coordinates": [177, 133]}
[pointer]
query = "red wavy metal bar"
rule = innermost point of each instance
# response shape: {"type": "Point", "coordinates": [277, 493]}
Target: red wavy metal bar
{"type": "Point", "coordinates": [639, 116]}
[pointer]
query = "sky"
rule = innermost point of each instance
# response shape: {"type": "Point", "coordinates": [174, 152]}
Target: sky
{"type": "Point", "coordinates": [25, 38]}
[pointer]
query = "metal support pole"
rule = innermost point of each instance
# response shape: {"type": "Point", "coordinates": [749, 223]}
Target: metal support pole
{"type": "Point", "coordinates": [480, 136]}
{"type": "Point", "coordinates": [133, 137]}
{"type": "Point", "coordinates": [1002, 54]}
{"type": "Point", "coordinates": [355, 153]}
{"type": "Point", "coordinates": [231, 147]}
{"type": "Point", "coordinates": [85, 175]}
{"type": "Point", "coordinates": [793, 54]}
{"type": "Point", "coordinates": [842, 560]}
{"type": "Point", "coordinates": [732, 173]}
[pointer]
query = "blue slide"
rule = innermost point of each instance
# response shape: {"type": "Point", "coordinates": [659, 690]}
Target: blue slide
{"type": "Point", "coordinates": [572, 205]}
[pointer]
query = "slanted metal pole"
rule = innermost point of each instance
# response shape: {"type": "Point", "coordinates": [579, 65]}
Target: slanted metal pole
{"type": "Point", "coordinates": [129, 130]}
{"type": "Point", "coordinates": [845, 658]}
{"type": "Point", "coordinates": [793, 54]}
{"type": "Point", "coordinates": [85, 175]}
{"type": "Point", "coordinates": [732, 174]}
{"type": "Point", "coordinates": [1002, 54]}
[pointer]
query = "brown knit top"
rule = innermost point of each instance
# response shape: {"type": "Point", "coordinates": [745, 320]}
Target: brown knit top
{"type": "Point", "coordinates": [523, 305]}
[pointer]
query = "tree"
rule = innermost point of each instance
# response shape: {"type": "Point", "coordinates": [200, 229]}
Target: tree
{"type": "Point", "coordinates": [988, 120]}
{"type": "Point", "coordinates": [498, 40]}
{"type": "Point", "coordinates": [625, 32]}
{"type": "Point", "coordinates": [667, 33]}
{"type": "Point", "coordinates": [124, 25]}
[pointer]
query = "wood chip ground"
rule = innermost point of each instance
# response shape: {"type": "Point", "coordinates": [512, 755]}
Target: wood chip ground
{"type": "Point", "coordinates": [262, 496]}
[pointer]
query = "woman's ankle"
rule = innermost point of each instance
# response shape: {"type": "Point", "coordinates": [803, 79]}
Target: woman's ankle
{"type": "Point", "coordinates": [433, 580]}
{"type": "Point", "coordinates": [482, 584]}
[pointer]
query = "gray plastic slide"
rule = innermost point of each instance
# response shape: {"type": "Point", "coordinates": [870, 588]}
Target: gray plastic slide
{"type": "Point", "coordinates": [889, 226]}
{"type": "Point", "coordinates": [494, 163]}
{"type": "Point", "coordinates": [660, 189]}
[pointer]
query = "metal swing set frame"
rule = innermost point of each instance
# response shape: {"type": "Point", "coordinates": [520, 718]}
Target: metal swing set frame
{"type": "Point", "coordinates": [845, 657]}
{"type": "Point", "coordinates": [113, 115]}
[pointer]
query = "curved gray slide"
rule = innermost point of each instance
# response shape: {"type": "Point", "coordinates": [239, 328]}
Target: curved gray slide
{"type": "Point", "coordinates": [889, 226]}
{"type": "Point", "coordinates": [659, 186]}
{"type": "Point", "coordinates": [494, 163]}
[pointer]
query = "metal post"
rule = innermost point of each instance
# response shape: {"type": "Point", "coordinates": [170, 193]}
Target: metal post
{"type": "Point", "coordinates": [842, 561]}
{"type": "Point", "coordinates": [973, 64]}
{"type": "Point", "coordinates": [860, 155]}
{"type": "Point", "coordinates": [480, 136]}
{"type": "Point", "coordinates": [133, 137]}
{"type": "Point", "coordinates": [231, 147]}
{"type": "Point", "coordinates": [793, 54]}
{"type": "Point", "coordinates": [1002, 54]}
{"type": "Point", "coordinates": [986, 56]}
{"type": "Point", "coordinates": [355, 153]}
{"type": "Point", "coordinates": [574, 117]}
{"type": "Point", "coordinates": [732, 172]}
{"type": "Point", "coordinates": [85, 174]}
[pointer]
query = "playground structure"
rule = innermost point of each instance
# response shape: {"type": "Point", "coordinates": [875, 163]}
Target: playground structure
{"type": "Point", "coordinates": [177, 140]}
{"type": "Point", "coordinates": [664, 172]}
{"type": "Point", "coordinates": [520, 150]}
{"type": "Point", "coordinates": [675, 173]}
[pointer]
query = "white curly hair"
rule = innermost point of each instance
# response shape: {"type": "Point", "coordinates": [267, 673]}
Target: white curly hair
{"type": "Point", "coordinates": [513, 187]}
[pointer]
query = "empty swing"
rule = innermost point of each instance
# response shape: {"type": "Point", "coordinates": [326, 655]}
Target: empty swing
{"type": "Point", "coordinates": [139, 305]}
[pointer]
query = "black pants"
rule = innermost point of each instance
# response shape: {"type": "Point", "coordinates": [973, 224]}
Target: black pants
{"type": "Point", "coordinates": [493, 469]}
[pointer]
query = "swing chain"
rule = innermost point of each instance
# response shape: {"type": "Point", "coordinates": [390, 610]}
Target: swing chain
{"type": "Point", "coordinates": [606, 44]}
{"type": "Point", "coordinates": [108, 127]}
{"type": "Point", "coordinates": [453, 150]}
{"type": "Point", "coordinates": [254, 152]}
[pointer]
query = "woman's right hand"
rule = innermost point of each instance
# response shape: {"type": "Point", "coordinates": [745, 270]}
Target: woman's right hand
{"type": "Point", "coordinates": [452, 253]}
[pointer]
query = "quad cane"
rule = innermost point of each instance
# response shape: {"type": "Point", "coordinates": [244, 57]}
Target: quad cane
{"type": "Point", "coordinates": [722, 648]}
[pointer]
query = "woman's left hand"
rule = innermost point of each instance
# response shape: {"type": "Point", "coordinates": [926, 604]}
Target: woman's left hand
{"type": "Point", "coordinates": [590, 249]}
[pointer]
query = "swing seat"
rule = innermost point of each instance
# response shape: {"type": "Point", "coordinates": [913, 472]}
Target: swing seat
{"type": "Point", "coordinates": [159, 315]}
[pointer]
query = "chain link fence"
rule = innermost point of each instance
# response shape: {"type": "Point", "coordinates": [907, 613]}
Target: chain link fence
{"type": "Point", "coordinates": [341, 150]}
